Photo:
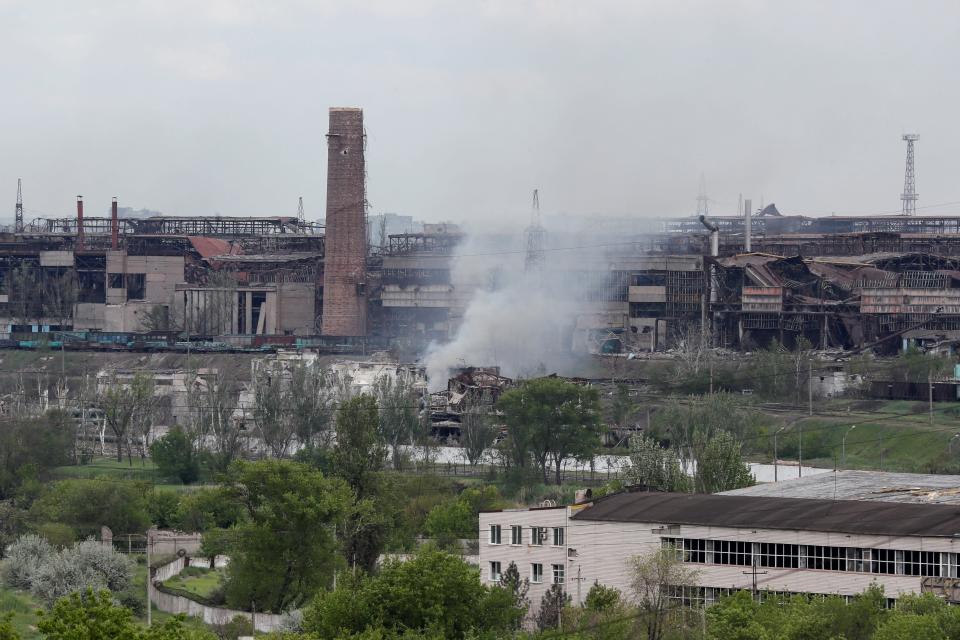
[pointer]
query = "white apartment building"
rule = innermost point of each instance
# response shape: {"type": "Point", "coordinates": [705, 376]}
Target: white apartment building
{"type": "Point", "coordinates": [793, 545]}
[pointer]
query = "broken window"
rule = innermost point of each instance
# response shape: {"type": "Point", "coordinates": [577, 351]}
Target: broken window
{"type": "Point", "coordinates": [115, 281]}
{"type": "Point", "coordinates": [136, 286]}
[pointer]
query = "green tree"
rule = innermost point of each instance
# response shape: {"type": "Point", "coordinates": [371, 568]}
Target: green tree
{"type": "Point", "coordinates": [655, 467]}
{"type": "Point", "coordinates": [721, 466]}
{"type": "Point", "coordinates": [85, 505]}
{"type": "Point", "coordinates": [652, 576]}
{"type": "Point", "coordinates": [285, 550]}
{"type": "Point", "coordinates": [399, 420]}
{"type": "Point", "coordinates": [31, 446]}
{"type": "Point", "coordinates": [551, 607]}
{"type": "Point", "coordinates": [734, 618]}
{"type": "Point", "coordinates": [127, 406]}
{"type": "Point", "coordinates": [433, 592]}
{"type": "Point", "coordinates": [477, 432]}
{"type": "Point", "coordinates": [622, 407]}
{"type": "Point", "coordinates": [551, 420]}
{"type": "Point", "coordinates": [910, 626]}
{"type": "Point", "coordinates": [206, 509]}
{"type": "Point", "coordinates": [359, 459]}
{"type": "Point", "coordinates": [95, 616]}
{"type": "Point", "coordinates": [456, 518]}
{"type": "Point", "coordinates": [176, 456]}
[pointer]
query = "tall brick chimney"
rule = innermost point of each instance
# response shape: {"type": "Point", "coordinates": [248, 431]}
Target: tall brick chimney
{"type": "Point", "coordinates": [80, 222]}
{"type": "Point", "coordinates": [114, 226]}
{"type": "Point", "coordinates": [345, 254]}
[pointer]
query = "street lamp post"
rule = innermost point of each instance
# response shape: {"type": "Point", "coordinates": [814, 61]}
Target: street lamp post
{"type": "Point", "coordinates": [775, 466]}
{"type": "Point", "coordinates": [843, 446]}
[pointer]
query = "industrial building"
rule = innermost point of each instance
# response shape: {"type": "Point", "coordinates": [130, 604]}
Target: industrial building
{"type": "Point", "coordinates": [763, 543]}
{"type": "Point", "coordinates": [740, 282]}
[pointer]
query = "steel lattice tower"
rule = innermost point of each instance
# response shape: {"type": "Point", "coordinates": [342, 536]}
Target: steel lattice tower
{"type": "Point", "coordinates": [910, 195]}
{"type": "Point", "coordinates": [702, 199]}
{"type": "Point", "coordinates": [18, 211]}
{"type": "Point", "coordinates": [536, 238]}
{"type": "Point", "coordinates": [300, 216]}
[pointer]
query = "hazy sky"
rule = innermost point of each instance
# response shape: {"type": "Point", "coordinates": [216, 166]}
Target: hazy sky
{"type": "Point", "coordinates": [206, 106]}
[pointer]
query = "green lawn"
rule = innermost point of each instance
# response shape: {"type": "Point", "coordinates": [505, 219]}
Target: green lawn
{"type": "Point", "coordinates": [197, 580]}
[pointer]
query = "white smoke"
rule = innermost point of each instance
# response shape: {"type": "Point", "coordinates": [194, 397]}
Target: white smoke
{"type": "Point", "coordinates": [518, 320]}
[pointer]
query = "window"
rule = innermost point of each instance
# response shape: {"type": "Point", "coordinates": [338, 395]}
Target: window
{"type": "Point", "coordinates": [921, 563]}
{"type": "Point", "coordinates": [826, 558]}
{"type": "Point", "coordinates": [494, 534]}
{"type": "Point", "coordinates": [695, 551]}
{"type": "Point", "coordinates": [115, 280]}
{"type": "Point", "coordinates": [537, 535]}
{"type": "Point", "coordinates": [733, 552]}
{"type": "Point", "coordinates": [558, 537]}
{"type": "Point", "coordinates": [536, 573]}
{"type": "Point", "coordinates": [516, 534]}
{"type": "Point", "coordinates": [558, 573]}
{"type": "Point", "coordinates": [494, 572]}
{"type": "Point", "coordinates": [884, 561]}
{"type": "Point", "coordinates": [779, 555]}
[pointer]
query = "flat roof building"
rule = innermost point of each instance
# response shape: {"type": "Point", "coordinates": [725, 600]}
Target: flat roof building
{"type": "Point", "coordinates": [789, 545]}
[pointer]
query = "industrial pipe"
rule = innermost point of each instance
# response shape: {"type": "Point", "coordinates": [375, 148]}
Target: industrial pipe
{"type": "Point", "coordinates": [747, 226]}
{"type": "Point", "coordinates": [714, 235]}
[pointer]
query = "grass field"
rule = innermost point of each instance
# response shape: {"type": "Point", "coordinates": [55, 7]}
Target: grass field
{"type": "Point", "coordinates": [139, 470]}
{"type": "Point", "coordinates": [893, 436]}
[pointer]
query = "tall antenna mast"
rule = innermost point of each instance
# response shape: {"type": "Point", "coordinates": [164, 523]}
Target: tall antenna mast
{"type": "Point", "coordinates": [702, 200]}
{"type": "Point", "coordinates": [910, 195]}
{"type": "Point", "coordinates": [18, 211]}
{"type": "Point", "coordinates": [300, 218]}
{"type": "Point", "coordinates": [536, 237]}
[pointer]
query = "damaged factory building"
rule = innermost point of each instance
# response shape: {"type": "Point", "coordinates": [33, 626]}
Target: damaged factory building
{"type": "Point", "coordinates": [233, 283]}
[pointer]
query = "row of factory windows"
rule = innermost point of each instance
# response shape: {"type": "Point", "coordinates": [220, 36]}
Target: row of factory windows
{"type": "Point", "coordinates": [538, 535]}
{"type": "Point", "coordinates": [705, 596]}
{"type": "Point", "coordinates": [557, 572]}
{"type": "Point", "coordinates": [808, 556]}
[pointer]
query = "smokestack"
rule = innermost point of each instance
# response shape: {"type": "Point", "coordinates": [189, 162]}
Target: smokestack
{"type": "Point", "coordinates": [714, 235]}
{"type": "Point", "coordinates": [345, 253]}
{"type": "Point", "coordinates": [80, 222]}
{"type": "Point", "coordinates": [114, 226]}
{"type": "Point", "coordinates": [747, 226]}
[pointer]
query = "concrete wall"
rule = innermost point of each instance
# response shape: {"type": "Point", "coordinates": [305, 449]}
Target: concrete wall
{"type": "Point", "coordinates": [169, 603]}
{"type": "Point", "coordinates": [296, 308]}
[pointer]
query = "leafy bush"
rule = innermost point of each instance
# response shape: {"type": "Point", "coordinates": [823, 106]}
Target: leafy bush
{"type": "Point", "coordinates": [457, 518]}
{"type": "Point", "coordinates": [87, 505]}
{"type": "Point", "coordinates": [26, 556]}
{"type": "Point", "coordinates": [163, 507]}
{"type": "Point", "coordinates": [89, 564]}
{"type": "Point", "coordinates": [176, 456]}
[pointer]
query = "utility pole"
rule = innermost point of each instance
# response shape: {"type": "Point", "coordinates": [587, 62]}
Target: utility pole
{"type": "Point", "coordinates": [909, 196]}
{"type": "Point", "coordinates": [775, 465]}
{"type": "Point", "coordinates": [149, 584]}
{"type": "Point", "coordinates": [843, 447]}
{"type": "Point", "coordinates": [18, 210]}
{"type": "Point", "coordinates": [753, 571]}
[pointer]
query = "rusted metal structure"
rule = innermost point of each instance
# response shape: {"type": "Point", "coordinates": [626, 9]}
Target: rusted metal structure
{"type": "Point", "coordinates": [345, 277]}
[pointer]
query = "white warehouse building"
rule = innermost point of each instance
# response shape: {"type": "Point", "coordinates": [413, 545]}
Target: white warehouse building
{"type": "Point", "coordinates": [791, 545]}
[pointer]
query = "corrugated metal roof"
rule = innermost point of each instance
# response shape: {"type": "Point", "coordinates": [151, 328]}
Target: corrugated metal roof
{"type": "Point", "coordinates": [795, 514]}
{"type": "Point", "coordinates": [875, 486]}
{"type": "Point", "coordinates": [210, 247]}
